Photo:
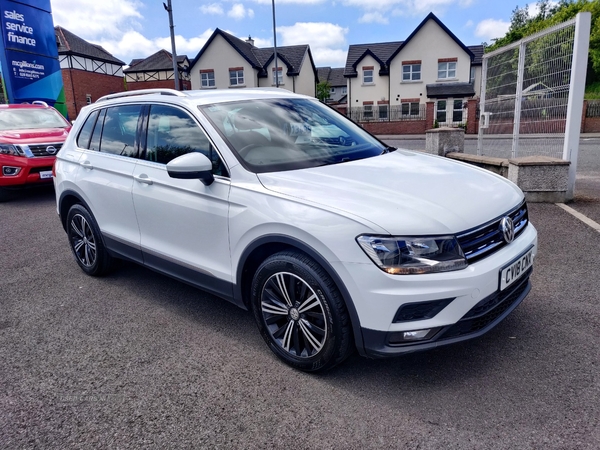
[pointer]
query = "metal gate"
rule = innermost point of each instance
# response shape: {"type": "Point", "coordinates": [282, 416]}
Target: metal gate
{"type": "Point", "coordinates": [532, 94]}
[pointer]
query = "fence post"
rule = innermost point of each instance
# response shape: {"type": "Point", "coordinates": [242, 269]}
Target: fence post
{"type": "Point", "coordinates": [518, 98]}
{"type": "Point", "coordinates": [576, 91]}
{"type": "Point", "coordinates": [583, 116]}
{"type": "Point", "coordinates": [429, 114]}
{"type": "Point", "coordinates": [471, 116]}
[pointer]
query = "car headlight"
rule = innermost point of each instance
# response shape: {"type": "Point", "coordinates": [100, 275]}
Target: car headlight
{"type": "Point", "coordinates": [413, 255]}
{"type": "Point", "coordinates": [9, 149]}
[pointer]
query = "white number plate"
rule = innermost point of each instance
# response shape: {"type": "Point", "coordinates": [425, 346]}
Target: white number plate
{"type": "Point", "coordinates": [516, 269]}
{"type": "Point", "coordinates": [44, 174]}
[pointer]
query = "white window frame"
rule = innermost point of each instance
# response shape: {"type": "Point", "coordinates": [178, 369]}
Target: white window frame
{"type": "Point", "coordinates": [439, 111]}
{"type": "Point", "coordinates": [447, 70]}
{"type": "Point", "coordinates": [279, 75]}
{"type": "Point", "coordinates": [366, 76]}
{"type": "Point", "coordinates": [367, 111]}
{"type": "Point", "coordinates": [383, 107]}
{"type": "Point", "coordinates": [412, 74]}
{"type": "Point", "coordinates": [457, 102]}
{"type": "Point", "coordinates": [236, 77]}
{"type": "Point", "coordinates": [205, 80]}
{"type": "Point", "coordinates": [344, 90]}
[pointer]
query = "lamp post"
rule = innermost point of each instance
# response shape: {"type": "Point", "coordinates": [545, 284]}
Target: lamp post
{"type": "Point", "coordinates": [169, 9]}
{"type": "Point", "coordinates": [275, 46]}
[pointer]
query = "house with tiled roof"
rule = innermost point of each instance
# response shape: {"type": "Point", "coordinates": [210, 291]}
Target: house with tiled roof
{"type": "Point", "coordinates": [226, 61]}
{"type": "Point", "coordinates": [337, 83]}
{"type": "Point", "coordinates": [396, 79]}
{"type": "Point", "coordinates": [88, 71]}
{"type": "Point", "coordinates": [156, 71]}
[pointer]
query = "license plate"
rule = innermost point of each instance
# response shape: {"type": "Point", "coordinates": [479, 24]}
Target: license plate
{"type": "Point", "coordinates": [516, 269]}
{"type": "Point", "coordinates": [45, 174]}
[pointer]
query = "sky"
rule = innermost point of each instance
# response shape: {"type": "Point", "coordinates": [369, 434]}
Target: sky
{"type": "Point", "coordinates": [131, 29]}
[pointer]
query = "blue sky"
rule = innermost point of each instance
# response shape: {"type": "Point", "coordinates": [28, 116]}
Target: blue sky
{"type": "Point", "coordinates": [137, 28]}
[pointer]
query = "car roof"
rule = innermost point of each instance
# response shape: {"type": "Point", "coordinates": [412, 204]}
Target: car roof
{"type": "Point", "coordinates": [199, 97]}
{"type": "Point", "coordinates": [24, 106]}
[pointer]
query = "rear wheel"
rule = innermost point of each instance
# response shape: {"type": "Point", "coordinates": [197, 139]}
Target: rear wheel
{"type": "Point", "coordinates": [300, 312]}
{"type": "Point", "coordinates": [86, 242]}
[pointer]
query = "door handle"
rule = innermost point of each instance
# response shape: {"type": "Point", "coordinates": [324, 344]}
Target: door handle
{"type": "Point", "coordinates": [143, 178]}
{"type": "Point", "coordinates": [86, 164]}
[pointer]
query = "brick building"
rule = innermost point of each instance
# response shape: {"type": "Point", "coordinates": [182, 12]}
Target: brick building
{"type": "Point", "coordinates": [88, 71]}
{"type": "Point", "coordinates": [156, 71]}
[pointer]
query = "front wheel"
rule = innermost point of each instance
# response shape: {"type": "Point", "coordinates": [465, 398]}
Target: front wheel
{"type": "Point", "coordinates": [86, 242]}
{"type": "Point", "coordinates": [300, 312]}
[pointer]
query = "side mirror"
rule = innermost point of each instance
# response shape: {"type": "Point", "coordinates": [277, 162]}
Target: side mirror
{"type": "Point", "coordinates": [191, 166]}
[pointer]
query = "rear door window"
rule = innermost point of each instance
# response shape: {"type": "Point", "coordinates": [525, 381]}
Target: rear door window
{"type": "Point", "coordinates": [119, 130]}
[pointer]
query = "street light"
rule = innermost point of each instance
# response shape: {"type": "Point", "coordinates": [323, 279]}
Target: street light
{"type": "Point", "coordinates": [169, 9]}
{"type": "Point", "coordinates": [275, 46]}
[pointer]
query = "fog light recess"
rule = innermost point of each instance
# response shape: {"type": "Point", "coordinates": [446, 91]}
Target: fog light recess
{"type": "Point", "coordinates": [407, 337]}
{"type": "Point", "coordinates": [10, 171]}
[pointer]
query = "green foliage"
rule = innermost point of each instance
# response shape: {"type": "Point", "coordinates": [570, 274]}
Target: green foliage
{"type": "Point", "coordinates": [522, 25]}
{"type": "Point", "coordinates": [323, 89]}
{"type": "Point", "coordinates": [592, 91]}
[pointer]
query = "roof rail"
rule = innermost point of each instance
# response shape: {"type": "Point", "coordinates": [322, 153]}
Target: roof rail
{"type": "Point", "coordinates": [39, 102]}
{"type": "Point", "coordinates": [161, 91]}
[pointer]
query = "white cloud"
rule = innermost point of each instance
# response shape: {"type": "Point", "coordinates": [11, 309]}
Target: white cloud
{"type": "Point", "coordinates": [489, 29]}
{"type": "Point", "coordinates": [408, 7]}
{"type": "Point", "coordinates": [327, 40]}
{"type": "Point", "coordinates": [214, 9]}
{"type": "Point", "coordinates": [134, 45]}
{"type": "Point", "coordinates": [374, 17]}
{"type": "Point", "coordinates": [469, 24]}
{"type": "Point", "coordinates": [239, 12]}
{"type": "Point", "coordinates": [290, 2]}
{"type": "Point", "coordinates": [97, 18]}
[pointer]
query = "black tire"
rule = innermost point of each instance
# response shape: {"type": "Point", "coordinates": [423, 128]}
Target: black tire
{"type": "Point", "coordinates": [86, 242]}
{"type": "Point", "coordinates": [300, 312]}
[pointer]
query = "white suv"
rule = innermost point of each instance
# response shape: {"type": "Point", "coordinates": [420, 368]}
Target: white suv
{"type": "Point", "coordinates": [281, 205]}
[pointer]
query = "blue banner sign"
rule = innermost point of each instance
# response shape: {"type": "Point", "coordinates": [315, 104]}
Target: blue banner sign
{"type": "Point", "coordinates": [29, 56]}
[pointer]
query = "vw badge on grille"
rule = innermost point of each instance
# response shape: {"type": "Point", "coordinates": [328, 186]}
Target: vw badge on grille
{"type": "Point", "coordinates": [508, 229]}
{"type": "Point", "coordinates": [51, 150]}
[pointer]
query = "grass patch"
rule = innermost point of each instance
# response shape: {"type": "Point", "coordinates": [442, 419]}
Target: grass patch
{"type": "Point", "coordinates": [592, 92]}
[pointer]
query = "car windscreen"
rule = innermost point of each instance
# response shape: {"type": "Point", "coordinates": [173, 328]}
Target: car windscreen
{"type": "Point", "coordinates": [273, 135]}
{"type": "Point", "coordinates": [27, 119]}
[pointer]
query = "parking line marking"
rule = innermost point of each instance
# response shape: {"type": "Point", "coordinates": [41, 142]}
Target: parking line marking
{"type": "Point", "coordinates": [584, 219]}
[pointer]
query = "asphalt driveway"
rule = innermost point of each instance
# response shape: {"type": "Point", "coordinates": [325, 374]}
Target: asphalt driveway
{"type": "Point", "coordinates": [137, 360]}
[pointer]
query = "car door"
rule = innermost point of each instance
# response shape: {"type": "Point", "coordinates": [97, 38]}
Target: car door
{"type": "Point", "coordinates": [183, 223]}
{"type": "Point", "coordinates": [106, 175]}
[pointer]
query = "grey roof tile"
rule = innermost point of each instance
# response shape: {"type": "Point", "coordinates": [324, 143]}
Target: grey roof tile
{"type": "Point", "coordinates": [161, 60]}
{"type": "Point", "coordinates": [445, 90]}
{"type": "Point", "coordinates": [71, 44]}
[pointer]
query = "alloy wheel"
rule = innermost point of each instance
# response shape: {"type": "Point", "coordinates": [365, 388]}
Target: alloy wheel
{"type": "Point", "coordinates": [294, 315]}
{"type": "Point", "coordinates": [82, 240]}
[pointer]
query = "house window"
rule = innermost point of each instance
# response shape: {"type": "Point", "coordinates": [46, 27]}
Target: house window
{"type": "Point", "coordinates": [457, 111]}
{"type": "Point", "coordinates": [279, 74]}
{"type": "Point", "coordinates": [368, 75]}
{"type": "Point", "coordinates": [236, 76]}
{"type": "Point", "coordinates": [446, 70]}
{"type": "Point", "coordinates": [472, 77]}
{"type": "Point", "coordinates": [410, 108]}
{"type": "Point", "coordinates": [332, 90]}
{"type": "Point", "coordinates": [441, 111]}
{"type": "Point", "coordinates": [367, 110]}
{"type": "Point", "coordinates": [411, 71]}
{"type": "Point", "coordinates": [88, 99]}
{"type": "Point", "coordinates": [383, 111]}
{"type": "Point", "coordinates": [207, 78]}
{"type": "Point", "coordinates": [344, 90]}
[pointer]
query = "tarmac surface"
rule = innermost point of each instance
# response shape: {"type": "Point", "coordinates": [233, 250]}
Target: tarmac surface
{"type": "Point", "coordinates": [137, 360]}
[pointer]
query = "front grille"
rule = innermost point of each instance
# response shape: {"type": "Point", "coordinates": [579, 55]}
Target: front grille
{"type": "Point", "coordinates": [40, 149]}
{"type": "Point", "coordinates": [488, 310]}
{"type": "Point", "coordinates": [487, 239]}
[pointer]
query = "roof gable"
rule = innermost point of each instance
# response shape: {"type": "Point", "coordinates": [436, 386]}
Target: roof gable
{"type": "Point", "coordinates": [161, 60]}
{"type": "Point", "coordinates": [71, 44]}
{"type": "Point", "coordinates": [379, 51]}
{"type": "Point", "coordinates": [433, 17]}
{"type": "Point", "coordinates": [242, 47]}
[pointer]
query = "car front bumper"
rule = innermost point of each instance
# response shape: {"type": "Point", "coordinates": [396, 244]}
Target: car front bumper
{"type": "Point", "coordinates": [471, 299]}
{"type": "Point", "coordinates": [30, 170]}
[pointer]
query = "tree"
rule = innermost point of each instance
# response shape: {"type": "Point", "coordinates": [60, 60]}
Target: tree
{"type": "Point", "coordinates": [323, 89]}
{"type": "Point", "coordinates": [522, 24]}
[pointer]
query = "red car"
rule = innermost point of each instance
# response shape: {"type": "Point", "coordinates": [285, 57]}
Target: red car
{"type": "Point", "coordinates": [30, 137]}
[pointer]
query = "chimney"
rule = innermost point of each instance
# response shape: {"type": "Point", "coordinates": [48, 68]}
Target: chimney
{"type": "Point", "coordinates": [250, 41]}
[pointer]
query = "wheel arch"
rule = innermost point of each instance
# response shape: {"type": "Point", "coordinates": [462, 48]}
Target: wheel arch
{"type": "Point", "coordinates": [261, 248]}
{"type": "Point", "coordinates": [66, 200]}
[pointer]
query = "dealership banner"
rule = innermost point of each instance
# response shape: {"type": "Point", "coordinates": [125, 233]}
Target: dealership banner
{"type": "Point", "coordinates": [29, 56]}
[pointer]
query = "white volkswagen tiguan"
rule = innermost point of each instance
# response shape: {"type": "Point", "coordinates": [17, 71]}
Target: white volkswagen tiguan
{"type": "Point", "coordinates": [281, 205]}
